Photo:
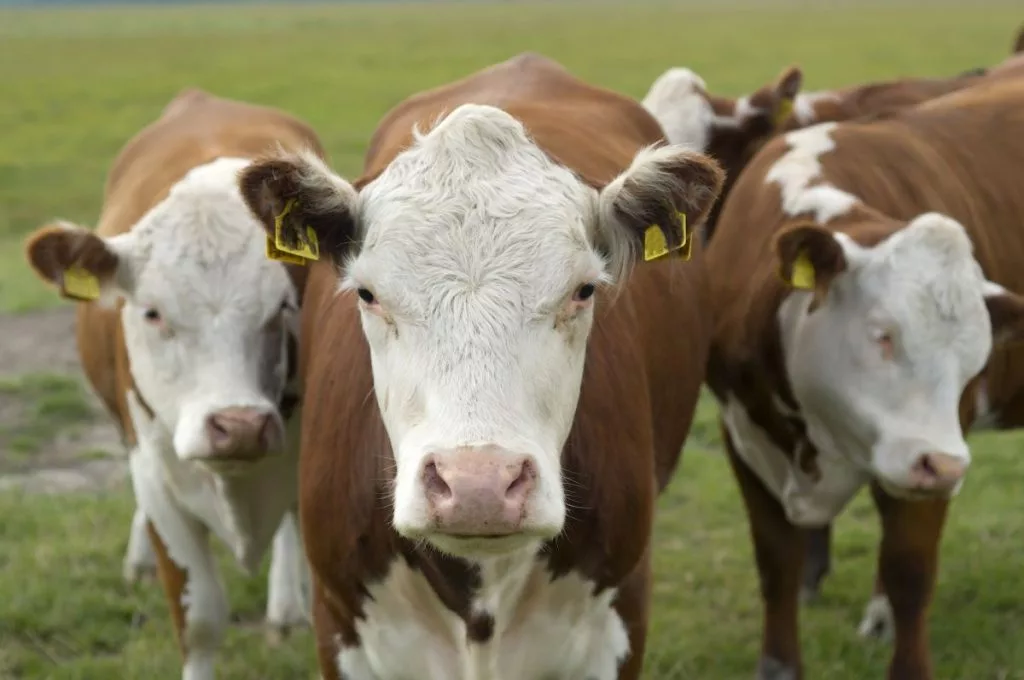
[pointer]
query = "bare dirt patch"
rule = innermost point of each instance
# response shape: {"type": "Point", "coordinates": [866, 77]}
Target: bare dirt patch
{"type": "Point", "coordinates": [78, 453]}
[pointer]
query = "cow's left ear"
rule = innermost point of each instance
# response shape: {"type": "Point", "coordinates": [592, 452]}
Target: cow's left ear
{"type": "Point", "coordinates": [1006, 311]}
{"type": "Point", "coordinates": [655, 206]}
{"type": "Point", "coordinates": [306, 209]}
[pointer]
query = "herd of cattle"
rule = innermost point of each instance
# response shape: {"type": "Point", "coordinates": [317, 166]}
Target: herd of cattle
{"type": "Point", "coordinates": [491, 344]}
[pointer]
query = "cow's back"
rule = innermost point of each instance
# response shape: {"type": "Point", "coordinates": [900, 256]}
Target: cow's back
{"type": "Point", "coordinates": [195, 128]}
{"type": "Point", "coordinates": [651, 341]}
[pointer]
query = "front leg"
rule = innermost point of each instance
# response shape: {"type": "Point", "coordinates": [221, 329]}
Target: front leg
{"type": "Point", "coordinates": [139, 559]}
{"type": "Point", "coordinates": [288, 582]}
{"type": "Point", "coordinates": [818, 561]}
{"type": "Point", "coordinates": [908, 566]}
{"type": "Point", "coordinates": [779, 551]}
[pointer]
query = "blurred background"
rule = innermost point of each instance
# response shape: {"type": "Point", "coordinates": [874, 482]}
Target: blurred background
{"type": "Point", "coordinates": [77, 80]}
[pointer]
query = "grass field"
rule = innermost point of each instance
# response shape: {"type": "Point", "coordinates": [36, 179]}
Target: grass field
{"type": "Point", "coordinates": [77, 83]}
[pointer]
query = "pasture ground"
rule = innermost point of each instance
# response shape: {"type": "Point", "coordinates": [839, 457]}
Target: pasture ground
{"type": "Point", "coordinates": [76, 83]}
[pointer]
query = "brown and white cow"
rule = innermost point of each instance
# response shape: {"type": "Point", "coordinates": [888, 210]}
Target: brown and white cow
{"type": "Point", "coordinates": [494, 400]}
{"type": "Point", "coordinates": [188, 334]}
{"type": "Point", "coordinates": [731, 130]}
{"type": "Point", "coordinates": [858, 274]}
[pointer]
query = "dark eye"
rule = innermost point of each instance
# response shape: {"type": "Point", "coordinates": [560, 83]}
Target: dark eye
{"type": "Point", "coordinates": [584, 293]}
{"type": "Point", "coordinates": [366, 296]}
{"type": "Point", "coordinates": [151, 315]}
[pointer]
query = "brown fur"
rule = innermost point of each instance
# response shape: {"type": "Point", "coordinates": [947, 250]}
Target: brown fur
{"type": "Point", "coordinates": [194, 129]}
{"type": "Point", "coordinates": [641, 381]}
{"type": "Point", "coordinates": [954, 155]}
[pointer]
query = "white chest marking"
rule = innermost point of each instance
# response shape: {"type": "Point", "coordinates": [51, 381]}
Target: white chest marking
{"type": "Point", "coordinates": [797, 171]}
{"type": "Point", "coordinates": [543, 629]}
{"type": "Point", "coordinates": [806, 502]}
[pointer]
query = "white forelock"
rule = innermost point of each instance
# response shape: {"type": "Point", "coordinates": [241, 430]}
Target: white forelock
{"type": "Point", "coordinates": [677, 101]}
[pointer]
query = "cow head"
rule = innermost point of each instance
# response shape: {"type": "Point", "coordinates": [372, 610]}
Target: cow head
{"type": "Point", "coordinates": [206, 317]}
{"type": "Point", "coordinates": [729, 130]}
{"type": "Point", "coordinates": [881, 347]}
{"type": "Point", "coordinates": [477, 261]}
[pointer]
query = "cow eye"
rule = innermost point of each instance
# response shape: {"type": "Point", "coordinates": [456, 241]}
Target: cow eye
{"type": "Point", "coordinates": [885, 342]}
{"type": "Point", "coordinates": [151, 315]}
{"type": "Point", "coordinates": [584, 292]}
{"type": "Point", "coordinates": [366, 296]}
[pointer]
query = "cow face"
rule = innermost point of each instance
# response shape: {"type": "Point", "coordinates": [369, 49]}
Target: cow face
{"type": "Point", "coordinates": [206, 317]}
{"type": "Point", "coordinates": [881, 349]}
{"type": "Point", "coordinates": [478, 261]}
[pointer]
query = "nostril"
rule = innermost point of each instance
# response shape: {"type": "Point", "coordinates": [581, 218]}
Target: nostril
{"type": "Point", "coordinates": [437, 489]}
{"type": "Point", "coordinates": [926, 467]}
{"type": "Point", "coordinates": [217, 430]}
{"type": "Point", "coordinates": [266, 433]}
{"type": "Point", "coordinates": [523, 484]}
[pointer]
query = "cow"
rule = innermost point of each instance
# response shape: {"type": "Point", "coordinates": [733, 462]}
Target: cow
{"type": "Point", "coordinates": [868, 332]}
{"type": "Point", "coordinates": [731, 130]}
{"type": "Point", "coordinates": [497, 382]}
{"type": "Point", "coordinates": [188, 334]}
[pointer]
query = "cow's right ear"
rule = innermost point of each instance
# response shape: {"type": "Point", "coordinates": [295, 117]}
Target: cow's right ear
{"type": "Point", "coordinates": [301, 203]}
{"type": "Point", "coordinates": [810, 257]}
{"type": "Point", "coordinates": [81, 264]}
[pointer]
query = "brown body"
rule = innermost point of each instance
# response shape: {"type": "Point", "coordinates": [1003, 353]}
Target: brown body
{"type": "Point", "coordinates": [194, 129]}
{"type": "Point", "coordinates": [954, 155]}
{"type": "Point", "coordinates": [644, 367]}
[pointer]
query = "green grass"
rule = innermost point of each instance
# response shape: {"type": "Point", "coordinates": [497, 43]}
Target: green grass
{"type": "Point", "coordinates": [77, 83]}
{"type": "Point", "coordinates": [45, 404]}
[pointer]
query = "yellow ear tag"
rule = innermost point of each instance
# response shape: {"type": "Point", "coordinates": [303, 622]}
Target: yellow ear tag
{"type": "Point", "coordinates": [274, 254]}
{"type": "Point", "coordinates": [655, 245]}
{"type": "Point", "coordinates": [803, 273]}
{"type": "Point", "coordinates": [782, 113]}
{"type": "Point", "coordinates": [309, 246]}
{"type": "Point", "coordinates": [79, 284]}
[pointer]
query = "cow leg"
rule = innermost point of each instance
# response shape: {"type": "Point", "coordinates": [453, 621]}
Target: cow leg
{"type": "Point", "coordinates": [779, 552]}
{"type": "Point", "coordinates": [186, 566]}
{"type": "Point", "coordinates": [287, 598]}
{"type": "Point", "coordinates": [818, 561]}
{"type": "Point", "coordinates": [908, 565]}
{"type": "Point", "coordinates": [139, 560]}
{"type": "Point", "coordinates": [877, 622]}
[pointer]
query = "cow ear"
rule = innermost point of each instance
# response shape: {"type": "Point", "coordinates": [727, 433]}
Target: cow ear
{"type": "Point", "coordinates": [784, 93]}
{"type": "Point", "coordinates": [809, 258]}
{"type": "Point", "coordinates": [81, 264]}
{"type": "Point", "coordinates": [1006, 311]}
{"type": "Point", "coordinates": [655, 206]}
{"type": "Point", "coordinates": [305, 208]}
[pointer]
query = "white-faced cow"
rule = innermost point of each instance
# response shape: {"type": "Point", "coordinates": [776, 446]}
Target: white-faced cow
{"type": "Point", "coordinates": [860, 273]}
{"type": "Point", "coordinates": [731, 130]}
{"type": "Point", "coordinates": [188, 334]}
{"type": "Point", "coordinates": [493, 399]}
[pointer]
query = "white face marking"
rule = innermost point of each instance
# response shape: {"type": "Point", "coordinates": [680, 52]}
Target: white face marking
{"type": "Point", "coordinates": [475, 245]}
{"type": "Point", "coordinates": [798, 171]}
{"type": "Point", "coordinates": [879, 367]}
{"type": "Point", "coordinates": [677, 101]}
{"type": "Point", "coordinates": [543, 629]}
{"type": "Point", "coordinates": [197, 260]}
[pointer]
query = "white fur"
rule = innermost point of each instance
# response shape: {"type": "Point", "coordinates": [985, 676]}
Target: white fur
{"type": "Point", "coordinates": [139, 558]}
{"type": "Point", "coordinates": [805, 102]}
{"type": "Point", "coordinates": [198, 258]}
{"type": "Point", "coordinates": [878, 621]}
{"type": "Point", "coordinates": [807, 503]}
{"type": "Point", "coordinates": [798, 174]}
{"type": "Point", "coordinates": [543, 628]}
{"type": "Point", "coordinates": [288, 580]}
{"type": "Point", "coordinates": [678, 102]}
{"type": "Point", "coordinates": [924, 288]}
{"type": "Point", "coordinates": [474, 242]}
